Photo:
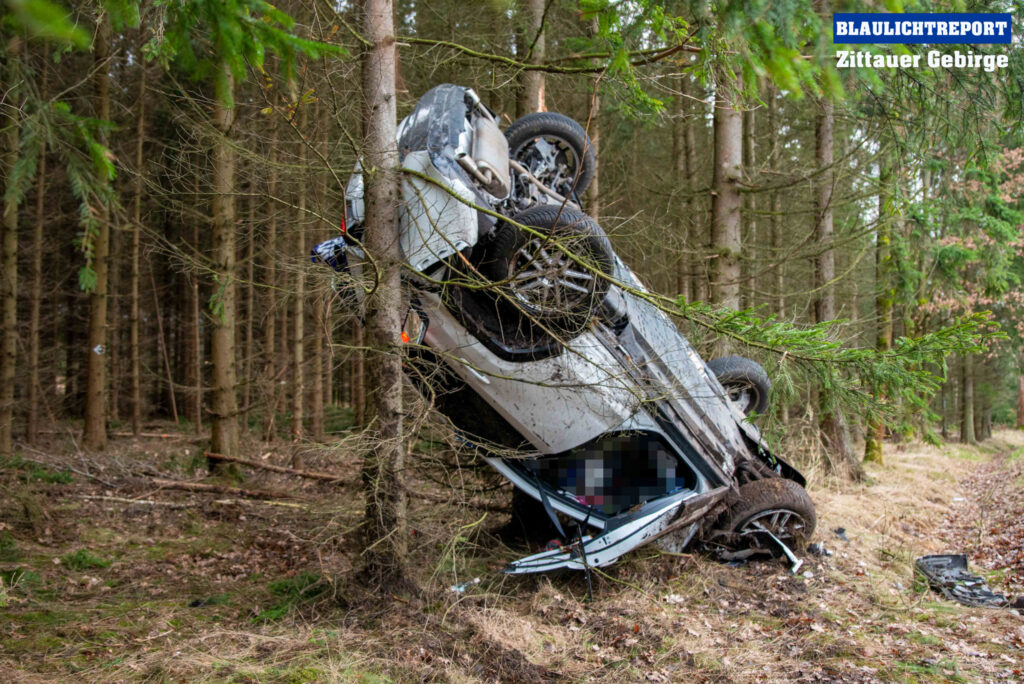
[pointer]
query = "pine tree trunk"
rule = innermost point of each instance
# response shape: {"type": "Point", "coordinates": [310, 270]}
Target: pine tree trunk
{"type": "Point", "coordinates": [36, 297]}
{"type": "Point", "coordinates": [320, 324]}
{"type": "Point", "coordinates": [883, 292]}
{"type": "Point", "coordinates": [684, 155]}
{"type": "Point", "coordinates": [359, 377]}
{"type": "Point", "coordinates": [9, 257]}
{"type": "Point", "coordinates": [195, 368]}
{"type": "Point", "coordinates": [726, 201]}
{"type": "Point", "coordinates": [833, 427]}
{"type": "Point", "coordinates": [967, 435]}
{"type": "Point", "coordinates": [270, 279]}
{"type": "Point", "coordinates": [250, 309]}
{"type": "Point", "coordinates": [594, 131]}
{"type": "Point", "coordinates": [384, 523]}
{"type": "Point", "coordinates": [224, 413]}
{"type": "Point", "coordinates": [531, 88]}
{"type": "Point", "coordinates": [95, 436]}
{"type": "Point", "coordinates": [299, 294]}
{"type": "Point", "coordinates": [133, 341]}
{"type": "Point", "coordinates": [749, 217]}
{"type": "Point", "coordinates": [1020, 402]}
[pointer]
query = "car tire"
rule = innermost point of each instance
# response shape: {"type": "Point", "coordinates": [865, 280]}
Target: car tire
{"type": "Point", "coordinates": [744, 381]}
{"type": "Point", "coordinates": [553, 280]}
{"type": "Point", "coordinates": [572, 148]}
{"type": "Point", "coordinates": [777, 504]}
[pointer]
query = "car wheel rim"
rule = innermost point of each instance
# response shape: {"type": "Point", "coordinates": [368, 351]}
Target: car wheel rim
{"type": "Point", "coordinates": [742, 397]}
{"type": "Point", "coordinates": [784, 523]}
{"type": "Point", "coordinates": [552, 161]}
{"type": "Point", "coordinates": [547, 282]}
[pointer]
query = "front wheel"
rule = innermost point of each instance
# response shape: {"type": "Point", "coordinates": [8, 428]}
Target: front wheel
{"type": "Point", "coordinates": [775, 505]}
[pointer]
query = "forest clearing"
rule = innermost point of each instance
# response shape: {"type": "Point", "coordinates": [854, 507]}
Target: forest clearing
{"type": "Point", "coordinates": [193, 587]}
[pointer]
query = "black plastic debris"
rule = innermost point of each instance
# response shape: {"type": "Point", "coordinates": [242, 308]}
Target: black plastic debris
{"type": "Point", "coordinates": [841, 533]}
{"type": "Point", "coordinates": [948, 575]}
{"type": "Point", "coordinates": [818, 549]}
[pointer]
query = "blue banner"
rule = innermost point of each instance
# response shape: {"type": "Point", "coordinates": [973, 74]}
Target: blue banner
{"type": "Point", "coordinates": [964, 28]}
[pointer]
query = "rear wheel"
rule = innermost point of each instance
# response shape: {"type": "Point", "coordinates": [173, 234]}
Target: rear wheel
{"type": "Point", "coordinates": [554, 275]}
{"type": "Point", "coordinates": [744, 381]}
{"type": "Point", "coordinates": [556, 150]}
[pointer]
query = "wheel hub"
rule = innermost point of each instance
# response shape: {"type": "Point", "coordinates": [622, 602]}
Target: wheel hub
{"type": "Point", "coordinates": [548, 282]}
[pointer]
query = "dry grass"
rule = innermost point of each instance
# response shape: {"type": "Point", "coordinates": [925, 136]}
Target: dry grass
{"type": "Point", "coordinates": [259, 592]}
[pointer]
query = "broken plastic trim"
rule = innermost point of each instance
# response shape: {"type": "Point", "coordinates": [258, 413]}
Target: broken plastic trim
{"type": "Point", "coordinates": [948, 575]}
{"type": "Point", "coordinates": [622, 534]}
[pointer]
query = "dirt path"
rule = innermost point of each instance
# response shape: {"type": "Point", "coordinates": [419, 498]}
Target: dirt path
{"type": "Point", "coordinates": [189, 587]}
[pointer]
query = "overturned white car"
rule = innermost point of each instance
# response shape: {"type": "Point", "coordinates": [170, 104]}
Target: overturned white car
{"type": "Point", "coordinates": [580, 390]}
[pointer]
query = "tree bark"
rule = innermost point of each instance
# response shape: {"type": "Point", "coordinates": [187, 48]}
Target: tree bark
{"type": "Point", "coordinates": [299, 316]}
{"type": "Point", "coordinates": [532, 83]}
{"type": "Point", "coordinates": [133, 335]}
{"type": "Point", "coordinates": [967, 434]}
{"type": "Point", "coordinates": [594, 132]}
{"type": "Point", "coordinates": [9, 277]}
{"type": "Point", "coordinates": [833, 426]}
{"type": "Point", "coordinates": [1020, 402]}
{"type": "Point", "coordinates": [96, 385]}
{"type": "Point", "coordinates": [383, 467]}
{"type": "Point", "coordinates": [224, 413]}
{"type": "Point", "coordinates": [195, 367]}
{"type": "Point", "coordinates": [250, 308]}
{"type": "Point", "coordinates": [726, 199]}
{"type": "Point", "coordinates": [749, 217]}
{"type": "Point", "coordinates": [270, 266]}
{"type": "Point", "coordinates": [684, 156]}
{"type": "Point", "coordinates": [875, 432]}
{"type": "Point", "coordinates": [36, 297]}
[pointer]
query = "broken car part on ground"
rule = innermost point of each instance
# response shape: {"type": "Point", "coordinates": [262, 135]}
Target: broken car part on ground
{"type": "Point", "coordinates": [555, 363]}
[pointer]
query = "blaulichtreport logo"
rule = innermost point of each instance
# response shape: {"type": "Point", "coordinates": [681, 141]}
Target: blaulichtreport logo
{"type": "Point", "coordinates": [960, 28]}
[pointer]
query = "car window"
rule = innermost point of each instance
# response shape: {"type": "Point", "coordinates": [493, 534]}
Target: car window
{"type": "Point", "coordinates": [616, 472]}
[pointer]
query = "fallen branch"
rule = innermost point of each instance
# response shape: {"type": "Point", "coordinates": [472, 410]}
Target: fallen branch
{"type": "Point", "coordinates": [121, 499]}
{"type": "Point", "coordinates": [437, 498]}
{"type": "Point", "coordinates": [218, 489]}
{"type": "Point", "coordinates": [326, 477]}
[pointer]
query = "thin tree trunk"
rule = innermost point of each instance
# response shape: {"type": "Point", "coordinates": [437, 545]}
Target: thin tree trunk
{"type": "Point", "coordinates": [224, 433]}
{"type": "Point", "coordinates": [140, 138]}
{"type": "Point", "coordinates": [883, 292]}
{"type": "Point", "coordinates": [833, 427]}
{"type": "Point", "coordinates": [359, 377]}
{"type": "Point", "coordinates": [1020, 402]}
{"type": "Point", "coordinates": [726, 201]}
{"type": "Point", "coordinates": [96, 385]}
{"type": "Point", "coordinates": [162, 341]}
{"type": "Point", "coordinates": [967, 434]}
{"type": "Point", "coordinates": [385, 520]}
{"type": "Point", "coordinates": [299, 316]}
{"type": "Point", "coordinates": [749, 234]}
{"type": "Point", "coordinates": [684, 154]}
{"type": "Point", "coordinates": [775, 222]}
{"type": "Point", "coordinates": [32, 423]}
{"type": "Point", "coordinates": [594, 132]}
{"type": "Point", "coordinates": [195, 406]}
{"type": "Point", "coordinates": [270, 264]}
{"type": "Point", "coordinates": [9, 277]}
{"type": "Point", "coordinates": [531, 89]}
{"type": "Point", "coordinates": [320, 324]}
{"type": "Point", "coordinates": [250, 313]}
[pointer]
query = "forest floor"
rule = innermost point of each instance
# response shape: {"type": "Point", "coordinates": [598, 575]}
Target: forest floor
{"type": "Point", "coordinates": [107, 577]}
